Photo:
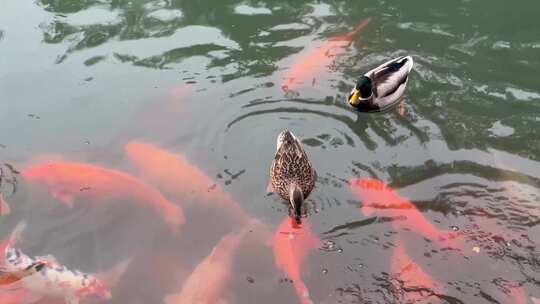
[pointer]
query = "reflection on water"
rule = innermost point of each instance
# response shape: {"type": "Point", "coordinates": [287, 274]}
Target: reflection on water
{"type": "Point", "coordinates": [178, 103]}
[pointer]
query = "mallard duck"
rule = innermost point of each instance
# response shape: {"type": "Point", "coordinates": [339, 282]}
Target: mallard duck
{"type": "Point", "coordinates": [383, 86]}
{"type": "Point", "coordinates": [291, 174]}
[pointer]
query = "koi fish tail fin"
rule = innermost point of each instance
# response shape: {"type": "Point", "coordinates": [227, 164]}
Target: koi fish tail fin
{"type": "Point", "coordinates": [4, 207]}
{"type": "Point", "coordinates": [302, 292]}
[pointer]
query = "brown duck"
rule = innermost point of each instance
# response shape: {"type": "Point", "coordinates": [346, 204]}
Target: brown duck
{"type": "Point", "coordinates": [291, 174]}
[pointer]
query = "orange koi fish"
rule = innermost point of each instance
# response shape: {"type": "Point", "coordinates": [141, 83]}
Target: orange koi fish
{"type": "Point", "coordinates": [208, 282]}
{"type": "Point", "coordinates": [292, 244]}
{"type": "Point", "coordinates": [413, 279]}
{"type": "Point", "coordinates": [176, 176]}
{"type": "Point", "coordinates": [381, 198]}
{"type": "Point", "coordinates": [67, 181]}
{"type": "Point", "coordinates": [316, 60]}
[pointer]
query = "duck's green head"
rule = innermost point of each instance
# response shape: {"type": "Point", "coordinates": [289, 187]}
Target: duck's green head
{"type": "Point", "coordinates": [362, 91]}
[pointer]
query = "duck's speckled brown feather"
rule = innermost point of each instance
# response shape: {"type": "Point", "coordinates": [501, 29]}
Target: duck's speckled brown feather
{"type": "Point", "coordinates": [291, 165]}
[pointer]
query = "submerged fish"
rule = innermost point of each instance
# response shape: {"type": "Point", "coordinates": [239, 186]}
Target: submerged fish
{"type": "Point", "coordinates": [382, 199]}
{"type": "Point", "coordinates": [55, 280]}
{"type": "Point", "coordinates": [177, 177]}
{"type": "Point", "coordinates": [67, 181]}
{"type": "Point", "coordinates": [316, 60]}
{"type": "Point", "coordinates": [209, 281]}
{"type": "Point", "coordinates": [9, 277]}
{"type": "Point", "coordinates": [412, 279]}
{"type": "Point", "coordinates": [292, 244]}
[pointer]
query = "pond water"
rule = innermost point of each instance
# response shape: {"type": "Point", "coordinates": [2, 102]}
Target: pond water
{"type": "Point", "coordinates": [174, 106]}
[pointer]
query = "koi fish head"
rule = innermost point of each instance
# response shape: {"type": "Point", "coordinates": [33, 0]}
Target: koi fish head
{"type": "Point", "coordinates": [38, 173]}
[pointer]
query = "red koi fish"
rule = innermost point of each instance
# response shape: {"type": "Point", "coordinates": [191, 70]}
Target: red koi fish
{"type": "Point", "coordinates": [413, 280]}
{"type": "Point", "coordinates": [379, 197]}
{"type": "Point", "coordinates": [67, 181]}
{"type": "Point", "coordinates": [176, 176]}
{"type": "Point", "coordinates": [208, 282]}
{"type": "Point", "coordinates": [316, 60]}
{"type": "Point", "coordinates": [292, 244]}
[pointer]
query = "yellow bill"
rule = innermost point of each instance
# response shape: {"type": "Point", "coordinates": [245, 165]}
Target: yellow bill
{"type": "Point", "coordinates": [354, 98]}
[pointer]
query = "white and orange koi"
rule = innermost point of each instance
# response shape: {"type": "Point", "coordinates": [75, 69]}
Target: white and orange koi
{"type": "Point", "coordinates": [9, 277]}
{"type": "Point", "coordinates": [56, 280]}
{"type": "Point", "coordinates": [53, 279]}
